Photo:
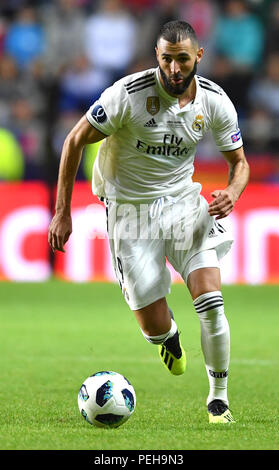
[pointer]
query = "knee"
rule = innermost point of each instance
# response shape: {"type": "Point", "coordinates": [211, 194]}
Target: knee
{"type": "Point", "coordinates": [203, 281]}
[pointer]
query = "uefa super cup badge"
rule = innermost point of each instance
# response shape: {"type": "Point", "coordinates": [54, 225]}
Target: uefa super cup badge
{"type": "Point", "coordinates": [153, 105]}
{"type": "Point", "coordinates": [198, 123]}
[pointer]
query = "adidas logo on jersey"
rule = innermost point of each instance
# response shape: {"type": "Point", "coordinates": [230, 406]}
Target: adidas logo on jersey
{"type": "Point", "coordinates": [151, 123]}
{"type": "Point", "coordinates": [212, 233]}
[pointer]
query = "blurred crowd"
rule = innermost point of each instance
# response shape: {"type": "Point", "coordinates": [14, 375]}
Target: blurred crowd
{"type": "Point", "coordinates": [56, 57]}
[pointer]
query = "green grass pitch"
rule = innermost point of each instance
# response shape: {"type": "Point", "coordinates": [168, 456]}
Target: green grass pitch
{"type": "Point", "coordinates": [54, 335]}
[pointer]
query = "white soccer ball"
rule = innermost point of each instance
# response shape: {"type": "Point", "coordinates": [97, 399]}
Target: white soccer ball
{"type": "Point", "coordinates": [106, 399]}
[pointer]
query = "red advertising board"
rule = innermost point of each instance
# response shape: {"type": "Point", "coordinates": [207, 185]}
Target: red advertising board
{"type": "Point", "coordinates": [87, 254]}
{"type": "Point", "coordinates": [25, 216]}
{"type": "Point", "coordinates": [24, 219]}
{"type": "Point", "coordinates": [254, 257]}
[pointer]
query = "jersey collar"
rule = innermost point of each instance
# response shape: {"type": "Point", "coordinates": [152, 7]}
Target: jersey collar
{"type": "Point", "coordinates": [174, 100]}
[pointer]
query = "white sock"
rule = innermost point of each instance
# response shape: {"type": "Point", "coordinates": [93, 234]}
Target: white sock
{"type": "Point", "coordinates": [215, 342]}
{"type": "Point", "coordinates": [162, 338]}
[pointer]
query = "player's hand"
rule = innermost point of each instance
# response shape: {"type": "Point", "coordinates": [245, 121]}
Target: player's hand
{"type": "Point", "coordinates": [59, 231]}
{"type": "Point", "coordinates": [222, 204]}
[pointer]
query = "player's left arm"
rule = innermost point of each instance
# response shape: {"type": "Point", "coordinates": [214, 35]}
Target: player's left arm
{"type": "Point", "coordinates": [225, 199]}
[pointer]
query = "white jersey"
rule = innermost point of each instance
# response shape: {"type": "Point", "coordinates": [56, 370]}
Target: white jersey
{"type": "Point", "coordinates": [151, 143]}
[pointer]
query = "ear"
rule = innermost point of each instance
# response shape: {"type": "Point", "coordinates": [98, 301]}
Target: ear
{"type": "Point", "coordinates": [199, 54]}
{"type": "Point", "coordinates": [157, 52]}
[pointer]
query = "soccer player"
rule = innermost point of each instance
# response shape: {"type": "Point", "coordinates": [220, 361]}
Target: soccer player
{"type": "Point", "coordinates": [150, 123]}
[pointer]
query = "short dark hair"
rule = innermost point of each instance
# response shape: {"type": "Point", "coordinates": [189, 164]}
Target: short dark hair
{"type": "Point", "coordinates": [176, 31]}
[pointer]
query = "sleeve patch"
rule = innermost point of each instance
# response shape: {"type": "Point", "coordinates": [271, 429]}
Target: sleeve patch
{"type": "Point", "coordinates": [235, 137]}
{"type": "Point", "coordinates": [98, 114]}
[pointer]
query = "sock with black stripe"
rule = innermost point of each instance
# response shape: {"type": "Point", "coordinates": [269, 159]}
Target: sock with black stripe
{"type": "Point", "coordinates": [215, 342]}
{"type": "Point", "coordinates": [164, 337]}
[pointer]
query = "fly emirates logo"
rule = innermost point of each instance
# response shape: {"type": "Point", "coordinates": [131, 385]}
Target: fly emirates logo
{"type": "Point", "coordinates": [171, 146]}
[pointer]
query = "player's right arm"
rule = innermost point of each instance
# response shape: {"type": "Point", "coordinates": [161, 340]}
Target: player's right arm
{"type": "Point", "coordinates": [61, 225]}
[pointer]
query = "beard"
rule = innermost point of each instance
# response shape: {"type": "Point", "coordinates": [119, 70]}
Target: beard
{"type": "Point", "coordinates": [180, 87]}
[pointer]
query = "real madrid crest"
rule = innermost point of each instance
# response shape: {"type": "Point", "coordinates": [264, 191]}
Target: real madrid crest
{"type": "Point", "coordinates": [198, 123]}
{"type": "Point", "coordinates": [153, 105]}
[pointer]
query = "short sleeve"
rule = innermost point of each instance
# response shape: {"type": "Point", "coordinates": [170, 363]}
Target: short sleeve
{"type": "Point", "coordinates": [225, 128]}
{"type": "Point", "coordinates": [109, 113]}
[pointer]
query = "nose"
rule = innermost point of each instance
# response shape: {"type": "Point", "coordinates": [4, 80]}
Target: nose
{"type": "Point", "coordinates": [174, 67]}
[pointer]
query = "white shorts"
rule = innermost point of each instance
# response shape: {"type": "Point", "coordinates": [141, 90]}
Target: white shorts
{"type": "Point", "coordinates": [143, 236]}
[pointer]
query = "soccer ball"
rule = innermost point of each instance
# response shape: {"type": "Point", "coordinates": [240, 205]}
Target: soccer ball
{"type": "Point", "coordinates": [106, 399]}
